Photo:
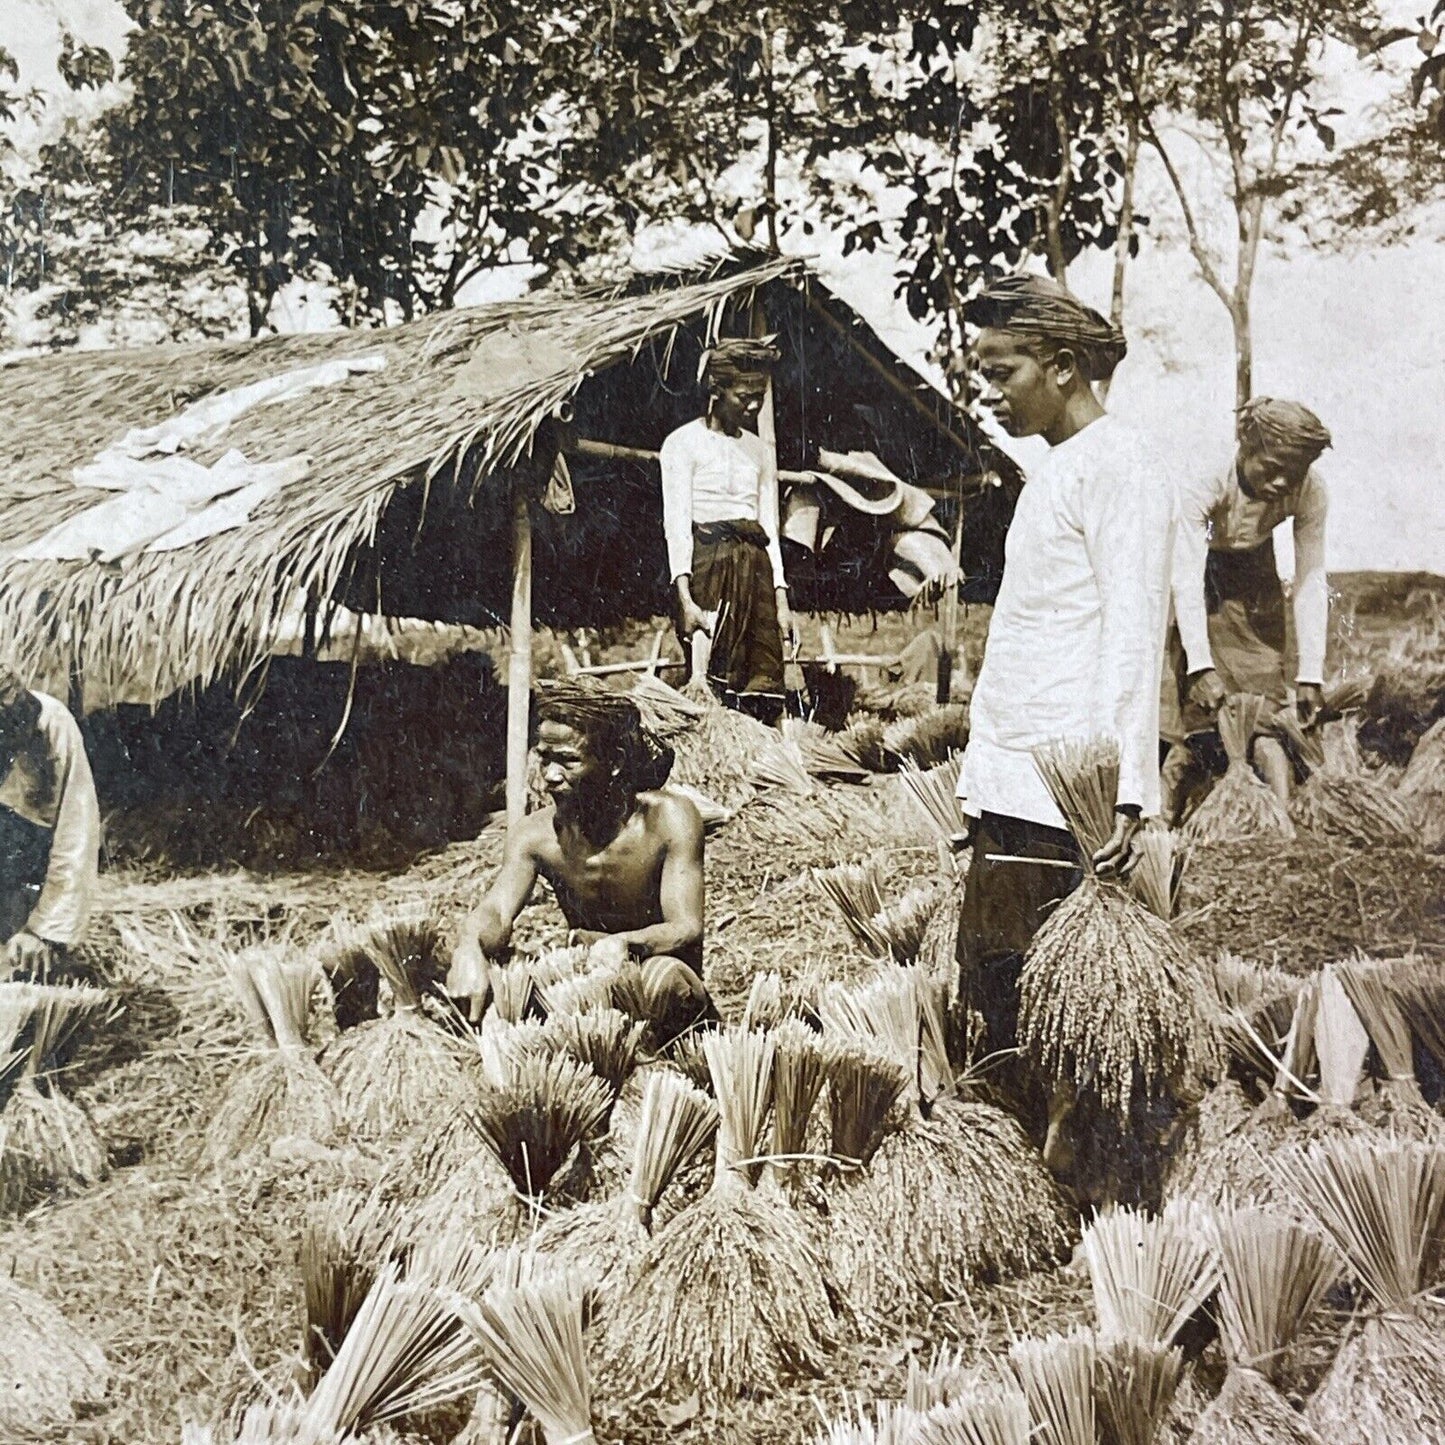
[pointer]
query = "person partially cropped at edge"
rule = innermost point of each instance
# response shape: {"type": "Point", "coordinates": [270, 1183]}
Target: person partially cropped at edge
{"type": "Point", "coordinates": [1074, 649]}
{"type": "Point", "coordinates": [1228, 598]}
{"type": "Point", "coordinates": [720, 518]}
{"type": "Point", "coordinates": [49, 833]}
{"type": "Point", "coordinates": [623, 856]}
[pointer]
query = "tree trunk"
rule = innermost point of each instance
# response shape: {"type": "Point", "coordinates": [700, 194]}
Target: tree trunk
{"type": "Point", "coordinates": [1243, 347]}
{"type": "Point", "coordinates": [1125, 242]}
{"type": "Point", "coordinates": [1057, 200]}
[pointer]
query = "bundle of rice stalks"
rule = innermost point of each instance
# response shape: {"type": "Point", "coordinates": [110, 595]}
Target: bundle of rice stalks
{"type": "Point", "coordinates": [1155, 879]}
{"type": "Point", "coordinates": [730, 1295]}
{"type": "Point", "coordinates": [410, 941]}
{"type": "Point", "coordinates": [1341, 799]}
{"type": "Point", "coordinates": [800, 1070]}
{"type": "Point", "coordinates": [1110, 1000]}
{"type": "Point", "coordinates": [48, 1144]}
{"type": "Point", "coordinates": [528, 1324]}
{"type": "Point", "coordinates": [514, 993]}
{"type": "Point", "coordinates": [1056, 1375]}
{"type": "Point", "coordinates": [824, 754]}
{"type": "Point", "coordinates": [863, 1088]}
{"type": "Point", "coordinates": [716, 754]}
{"type": "Point", "coordinates": [1149, 1273]}
{"type": "Point", "coordinates": [935, 793]}
{"type": "Point", "coordinates": [781, 765]}
{"type": "Point", "coordinates": [1420, 988]}
{"type": "Point", "coordinates": [1255, 1010]}
{"type": "Point", "coordinates": [396, 1073]}
{"type": "Point", "coordinates": [902, 924]}
{"type": "Point", "coordinates": [49, 1368]}
{"type": "Point", "coordinates": [1240, 806]}
{"type": "Point", "coordinates": [277, 1090]}
{"type": "Point", "coordinates": [774, 1000]}
{"type": "Point", "coordinates": [928, 738]}
{"type": "Point", "coordinates": [880, 1422]}
{"type": "Point", "coordinates": [607, 1237]}
{"type": "Point", "coordinates": [1380, 1205]}
{"type": "Point", "coordinates": [1377, 1002]}
{"type": "Point", "coordinates": [665, 711]}
{"type": "Point", "coordinates": [989, 1414]}
{"type": "Point", "coordinates": [712, 813]}
{"type": "Point", "coordinates": [406, 1351]}
{"type": "Point", "coordinates": [862, 739]}
{"type": "Point", "coordinates": [344, 1243]}
{"type": "Point", "coordinates": [606, 1040]}
{"type": "Point", "coordinates": [1135, 1384]}
{"type": "Point", "coordinates": [856, 891]}
{"type": "Point", "coordinates": [1422, 788]}
{"type": "Point", "coordinates": [1274, 1275]}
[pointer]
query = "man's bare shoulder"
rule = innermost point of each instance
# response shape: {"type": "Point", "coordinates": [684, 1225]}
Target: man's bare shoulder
{"type": "Point", "coordinates": [537, 835]}
{"type": "Point", "coordinates": [673, 817]}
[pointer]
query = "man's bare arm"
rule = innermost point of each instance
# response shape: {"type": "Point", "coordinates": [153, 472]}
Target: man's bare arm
{"type": "Point", "coordinates": [681, 886]}
{"type": "Point", "coordinates": [488, 927]}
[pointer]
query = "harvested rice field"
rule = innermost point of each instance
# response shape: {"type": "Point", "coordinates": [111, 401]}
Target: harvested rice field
{"type": "Point", "coordinates": [292, 1197]}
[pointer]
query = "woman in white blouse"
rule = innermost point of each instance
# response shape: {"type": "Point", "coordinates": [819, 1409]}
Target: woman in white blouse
{"type": "Point", "coordinates": [720, 516]}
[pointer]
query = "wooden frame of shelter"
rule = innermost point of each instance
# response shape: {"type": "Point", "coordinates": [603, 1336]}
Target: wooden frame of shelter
{"type": "Point", "coordinates": [423, 472]}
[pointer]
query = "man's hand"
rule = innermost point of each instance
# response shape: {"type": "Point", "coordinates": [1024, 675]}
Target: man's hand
{"type": "Point", "coordinates": [694, 619]}
{"type": "Point", "coordinates": [1207, 691]}
{"type": "Point", "coordinates": [792, 639]}
{"type": "Point", "coordinates": [470, 976]}
{"type": "Point", "coordinates": [29, 954]}
{"type": "Point", "coordinates": [607, 950]}
{"type": "Point", "coordinates": [1118, 856]}
{"type": "Point", "coordinates": [1309, 701]}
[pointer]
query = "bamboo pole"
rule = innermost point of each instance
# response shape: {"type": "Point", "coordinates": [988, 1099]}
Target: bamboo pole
{"type": "Point", "coordinates": [519, 663]}
{"type": "Point", "coordinates": [950, 616]}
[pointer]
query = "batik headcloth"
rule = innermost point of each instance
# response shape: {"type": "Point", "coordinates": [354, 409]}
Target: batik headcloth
{"type": "Point", "coordinates": [1284, 429]}
{"type": "Point", "coordinates": [735, 357]}
{"type": "Point", "coordinates": [1040, 307]}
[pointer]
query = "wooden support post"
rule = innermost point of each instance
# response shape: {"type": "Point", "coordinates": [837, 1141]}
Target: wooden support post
{"type": "Point", "coordinates": [308, 625]}
{"type": "Point", "coordinates": [519, 664]}
{"type": "Point", "coordinates": [950, 615]}
{"type": "Point", "coordinates": [656, 656]}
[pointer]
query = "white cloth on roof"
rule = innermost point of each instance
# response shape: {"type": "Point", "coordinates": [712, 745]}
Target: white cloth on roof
{"type": "Point", "coordinates": [1215, 514]}
{"type": "Point", "coordinates": [1076, 643]}
{"type": "Point", "coordinates": [709, 476]}
{"type": "Point", "coordinates": [49, 784]}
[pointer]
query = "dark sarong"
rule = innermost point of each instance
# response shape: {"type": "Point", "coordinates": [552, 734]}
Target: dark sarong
{"type": "Point", "coordinates": [24, 862]}
{"type": "Point", "coordinates": [732, 575]}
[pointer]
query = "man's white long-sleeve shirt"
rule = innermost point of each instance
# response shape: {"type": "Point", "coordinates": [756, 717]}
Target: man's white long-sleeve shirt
{"type": "Point", "coordinates": [1216, 514]}
{"type": "Point", "coordinates": [1076, 644]}
{"type": "Point", "coordinates": [709, 476]}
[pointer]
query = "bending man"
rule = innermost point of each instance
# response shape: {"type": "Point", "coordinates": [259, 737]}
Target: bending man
{"type": "Point", "coordinates": [623, 857]}
{"type": "Point", "coordinates": [49, 832]}
{"type": "Point", "coordinates": [1075, 646]}
{"type": "Point", "coordinates": [1228, 599]}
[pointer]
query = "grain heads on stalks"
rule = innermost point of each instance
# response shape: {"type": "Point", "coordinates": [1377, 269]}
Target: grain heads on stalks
{"type": "Point", "coordinates": [1240, 806]}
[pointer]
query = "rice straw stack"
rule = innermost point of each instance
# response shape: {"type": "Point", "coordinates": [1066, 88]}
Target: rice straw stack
{"type": "Point", "coordinates": [824, 754]}
{"type": "Point", "coordinates": [773, 1000]}
{"type": "Point", "coordinates": [1255, 1009]}
{"type": "Point", "coordinates": [1341, 799]}
{"type": "Point", "coordinates": [730, 1294]}
{"type": "Point", "coordinates": [1422, 788]}
{"type": "Point", "coordinates": [1274, 1275]}
{"type": "Point", "coordinates": [1380, 1205]}
{"type": "Point", "coordinates": [48, 1144]}
{"type": "Point", "coordinates": [863, 739]}
{"type": "Point", "coordinates": [48, 1366]}
{"type": "Point", "coordinates": [782, 765]}
{"type": "Point", "coordinates": [880, 1422]}
{"type": "Point", "coordinates": [411, 939]}
{"type": "Point", "coordinates": [716, 754]}
{"type": "Point", "coordinates": [606, 1238]}
{"type": "Point", "coordinates": [1149, 1273]}
{"type": "Point", "coordinates": [528, 1324]}
{"type": "Point", "coordinates": [1056, 1375]}
{"type": "Point", "coordinates": [1240, 806]}
{"type": "Point", "coordinates": [903, 923]}
{"type": "Point", "coordinates": [514, 993]}
{"type": "Point", "coordinates": [1420, 987]}
{"type": "Point", "coordinates": [277, 1090]}
{"type": "Point", "coordinates": [665, 711]}
{"type": "Point", "coordinates": [1110, 999]}
{"type": "Point", "coordinates": [935, 795]}
{"type": "Point", "coordinates": [397, 1073]}
{"type": "Point", "coordinates": [406, 1351]}
{"type": "Point", "coordinates": [1135, 1384]}
{"type": "Point", "coordinates": [928, 738]}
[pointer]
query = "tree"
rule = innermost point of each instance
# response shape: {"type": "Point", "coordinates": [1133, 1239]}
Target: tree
{"type": "Point", "coordinates": [1246, 69]}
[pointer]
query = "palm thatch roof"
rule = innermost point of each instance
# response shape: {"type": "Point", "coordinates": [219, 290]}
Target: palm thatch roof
{"type": "Point", "coordinates": [403, 507]}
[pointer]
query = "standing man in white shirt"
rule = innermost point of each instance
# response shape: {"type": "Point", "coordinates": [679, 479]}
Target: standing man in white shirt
{"type": "Point", "coordinates": [1228, 598]}
{"type": "Point", "coordinates": [1075, 647]}
{"type": "Point", "coordinates": [720, 516]}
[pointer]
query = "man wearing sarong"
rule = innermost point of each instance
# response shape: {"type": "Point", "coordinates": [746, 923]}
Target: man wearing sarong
{"type": "Point", "coordinates": [623, 855]}
{"type": "Point", "coordinates": [49, 833]}
{"type": "Point", "coordinates": [720, 517]}
{"type": "Point", "coordinates": [1074, 649]}
{"type": "Point", "coordinates": [1228, 598]}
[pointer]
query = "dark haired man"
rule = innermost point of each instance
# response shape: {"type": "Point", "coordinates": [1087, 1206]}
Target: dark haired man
{"type": "Point", "coordinates": [49, 831]}
{"type": "Point", "coordinates": [1075, 646]}
{"type": "Point", "coordinates": [624, 857]}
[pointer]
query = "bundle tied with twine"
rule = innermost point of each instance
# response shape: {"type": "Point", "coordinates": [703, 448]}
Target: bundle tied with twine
{"type": "Point", "coordinates": [528, 1326]}
{"type": "Point", "coordinates": [730, 1295]}
{"type": "Point", "coordinates": [954, 1192]}
{"type": "Point", "coordinates": [410, 938]}
{"type": "Point", "coordinates": [1135, 1382]}
{"type": "Point", "coordinates": [606, 1238]}
{"type": "Point", "coordinates": [1240, 806]}
{"type": "Point", "coordinates": [1382, 1008]}
{"type": "Point", "coordinates": [1274, 1275]}
{"type": "Point", "coordinates": [1422, 787]}
{"type": "Point", "coordinates": [825, 755]}
{"type": "Point", "coordinates": [49, 1145]}
{"type": "Point", "coordinates": [929, 738]}
{"type": "Point", "coordinates": [397, 1073]}
{"type": "Point", "coordinates": [1056, 1374]}
{"type": "Point", "coordinates": [1341, 798]}
{"type": "Point", "coordinates": [277, 1089]}
{"type": "Point", "coordinates": [1380, 1206]}
{"type": "Point", "coordinates": [1110, 999]}
{"type": "Point", "coordinates": [717, 753]}
{"type": "Point", "coordinates": [934, 794]}
{"type": "Point", "coordinates": [51, 1370]}
{"type": "Point", "coordinates": [881, 928]}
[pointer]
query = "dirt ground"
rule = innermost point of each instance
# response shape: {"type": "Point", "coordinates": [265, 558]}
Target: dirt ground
{"type": "Point", "coordinates": [187, 1274]}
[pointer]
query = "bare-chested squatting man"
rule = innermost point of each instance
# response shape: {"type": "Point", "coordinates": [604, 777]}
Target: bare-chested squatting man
{"type": "Point", "coordinates": [623, 855]}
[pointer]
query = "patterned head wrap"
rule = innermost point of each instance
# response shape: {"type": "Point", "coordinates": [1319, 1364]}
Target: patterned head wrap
{"type": "Point", "coordinates": [612, 725]}
{"type": "Point", "coordinates": [735, 357]}
{"type": "Point", "coordinates": [1041, 307]}
{"type": "Point", "coordinates": [1284, 429]}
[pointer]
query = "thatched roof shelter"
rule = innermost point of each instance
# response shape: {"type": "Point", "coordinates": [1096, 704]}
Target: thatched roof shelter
{"type": "Point", "coordinates": [404, 505]}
